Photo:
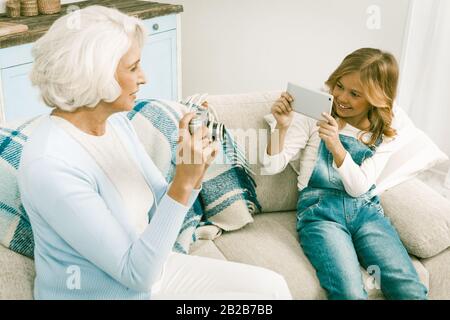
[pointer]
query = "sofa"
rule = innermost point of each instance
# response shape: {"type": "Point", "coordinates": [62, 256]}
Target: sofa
{"type": "Point", "coordinates": [420, 215]}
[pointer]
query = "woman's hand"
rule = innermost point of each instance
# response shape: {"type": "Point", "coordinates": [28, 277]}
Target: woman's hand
{"type": "Point", "coordinates": [282, 111]}
{"type": "Point", "coordinates": [329, 133]}
{"type": "Point", "coordinates": [194, 155]}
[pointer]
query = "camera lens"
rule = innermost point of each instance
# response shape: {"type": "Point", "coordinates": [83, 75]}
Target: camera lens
{"type": "Point", "coordinates": [217, 131]}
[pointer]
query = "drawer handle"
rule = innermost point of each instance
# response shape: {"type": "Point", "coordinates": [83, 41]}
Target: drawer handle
{"type": "Point", "coordinates": [156, 27]}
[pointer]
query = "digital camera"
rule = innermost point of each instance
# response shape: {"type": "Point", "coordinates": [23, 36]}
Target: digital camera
{"type": "Point", "coordinates": [204, 118]}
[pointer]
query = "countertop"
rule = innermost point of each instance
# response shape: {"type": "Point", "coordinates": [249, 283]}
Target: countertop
{"type": "Point", "coordinates": [38, 25]}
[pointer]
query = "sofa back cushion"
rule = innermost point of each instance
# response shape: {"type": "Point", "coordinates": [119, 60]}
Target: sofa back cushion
{"type": "Point", "coordinates": [421, 217]}
{"type": "Point", "coordinates": [243, 115]}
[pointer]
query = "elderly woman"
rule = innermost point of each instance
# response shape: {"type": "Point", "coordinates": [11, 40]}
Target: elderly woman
{"type": "Point", "coordinates": [89, 187]}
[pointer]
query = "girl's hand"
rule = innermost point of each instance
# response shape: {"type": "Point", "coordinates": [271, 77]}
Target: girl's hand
{"type": "Point", "coordinates": [282, 111]}
{"type": "Point", "coordinates": [329, 133]}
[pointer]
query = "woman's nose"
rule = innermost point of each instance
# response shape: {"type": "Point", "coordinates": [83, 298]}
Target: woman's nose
{"type": "Point", "coordinates": [142, 79]}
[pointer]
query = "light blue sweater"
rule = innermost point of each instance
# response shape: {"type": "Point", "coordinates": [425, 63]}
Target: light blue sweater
{"type": "Point", "coordinates": [85, 245]}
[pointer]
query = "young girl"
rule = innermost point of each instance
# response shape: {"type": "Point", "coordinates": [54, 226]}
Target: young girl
{"type": "Point", "coordinates": [340, 222]}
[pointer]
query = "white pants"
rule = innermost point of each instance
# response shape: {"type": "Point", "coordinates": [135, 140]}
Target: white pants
{"type": "Point", "coordinates": [199, 278]}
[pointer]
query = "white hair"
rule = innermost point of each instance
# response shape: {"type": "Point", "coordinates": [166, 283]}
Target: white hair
{"type": "Point", "coordinates": [76, 60]}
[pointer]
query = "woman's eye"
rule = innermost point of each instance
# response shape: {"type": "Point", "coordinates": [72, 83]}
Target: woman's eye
{"type": "Point", "coordinates": [135, 67]}
{"type": "Point", "coordinates": [355, 94]}
{"type": "Point", "coordinates": [339, 86]}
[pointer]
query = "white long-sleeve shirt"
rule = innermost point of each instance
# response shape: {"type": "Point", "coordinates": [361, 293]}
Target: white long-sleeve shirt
{"type": "Point", "coordinates": [302, 140]}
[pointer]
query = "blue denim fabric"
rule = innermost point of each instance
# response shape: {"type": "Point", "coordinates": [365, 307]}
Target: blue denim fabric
{"type": "Point", "coordinates": [338, 233]}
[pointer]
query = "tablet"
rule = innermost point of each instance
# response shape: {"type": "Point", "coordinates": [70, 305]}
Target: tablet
{"type": "Point", "coordinates": [311, 103]}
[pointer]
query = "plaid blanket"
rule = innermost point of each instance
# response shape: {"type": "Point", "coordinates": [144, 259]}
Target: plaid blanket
{"type": "Point", "coordinates": [15, 228]}
{"type": "Point", "coordinates": [228, 197]}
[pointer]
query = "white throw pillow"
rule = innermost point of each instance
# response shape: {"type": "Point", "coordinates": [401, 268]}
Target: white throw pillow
{"type": "Point", "coordinates": [415, 152]}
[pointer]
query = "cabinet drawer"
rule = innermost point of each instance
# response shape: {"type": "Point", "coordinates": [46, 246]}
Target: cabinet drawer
{"type": "Point", "coordinates": [22, 100]}
{"type": "Point", "coordinates": [14, 56]}
{"type": "Point", "coordinates": [161, 24]}
{"type": "Point", "coordinates": [159, 63]}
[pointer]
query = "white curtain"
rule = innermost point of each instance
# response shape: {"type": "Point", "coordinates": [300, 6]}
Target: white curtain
{"type": "Point", "coordinates": [425, 70]}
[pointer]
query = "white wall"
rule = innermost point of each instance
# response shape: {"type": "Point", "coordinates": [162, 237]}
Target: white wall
{"type": "Point", "coordinates": [237, 46]}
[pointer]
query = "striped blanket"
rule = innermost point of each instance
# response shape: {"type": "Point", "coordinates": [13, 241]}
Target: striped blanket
{"type": "Point", "coordinates": [226, 202]}
{"type": "Point", "coordinates": [228, 197]}
{"type": "Point", "coordinates": [15, 228]}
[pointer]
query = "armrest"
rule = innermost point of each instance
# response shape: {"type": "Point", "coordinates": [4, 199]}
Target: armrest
{"type": "Point", "coordinates": [421, 217]}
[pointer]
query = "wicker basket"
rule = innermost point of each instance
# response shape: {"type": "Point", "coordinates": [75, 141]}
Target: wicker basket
{"type": "Point", "coordinates": [28, 8]}
{"type": "Point", "coordinates": [13, 8]}
{"type": "Point", "coordinates": [49, 6]}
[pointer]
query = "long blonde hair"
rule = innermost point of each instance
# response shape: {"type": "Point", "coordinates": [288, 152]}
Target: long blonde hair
{"type": "Point", "coordinates": [379, 75]}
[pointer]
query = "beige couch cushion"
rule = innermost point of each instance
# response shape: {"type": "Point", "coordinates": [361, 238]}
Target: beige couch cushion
{"type": "Point", "coordinates": [16, 275]}
{"type": "Point", "coordinates": [439, 270]}
{"type": "Point", "coordinates": [421, 217]}
{"type": "Point", "coordinates": [272, 242]}
{"type": "Point", "coordinates": [206, 248]}
{"type": "Point", "coordinates": [246, 112]}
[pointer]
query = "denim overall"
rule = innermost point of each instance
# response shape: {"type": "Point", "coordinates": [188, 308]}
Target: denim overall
{"type": "Point", "coordinates": [338, 233]}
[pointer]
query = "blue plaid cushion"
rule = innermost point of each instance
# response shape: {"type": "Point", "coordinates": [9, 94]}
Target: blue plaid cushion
{"type": "Point", "coordinates": [15, 228]}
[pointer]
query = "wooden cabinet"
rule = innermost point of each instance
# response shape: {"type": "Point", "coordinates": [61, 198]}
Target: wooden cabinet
{"type": "Point", "coordinates": [160, 60]}
{"type": "Point", "coordinates": [19, 100]}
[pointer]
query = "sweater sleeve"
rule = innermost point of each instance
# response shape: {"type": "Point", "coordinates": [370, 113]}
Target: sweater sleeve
{"type": "Point", "coordinates": [358, 180]}
{"type": "Point", "coordinates": [67, 199]}
{"type": "Point", "coordinates": [296, 139]}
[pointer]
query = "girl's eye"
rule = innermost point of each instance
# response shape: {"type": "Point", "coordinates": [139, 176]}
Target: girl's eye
{"type": "Point", "coordinates": [339, 86]}
{"type": "Point", "coordinates": [355, 94]}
